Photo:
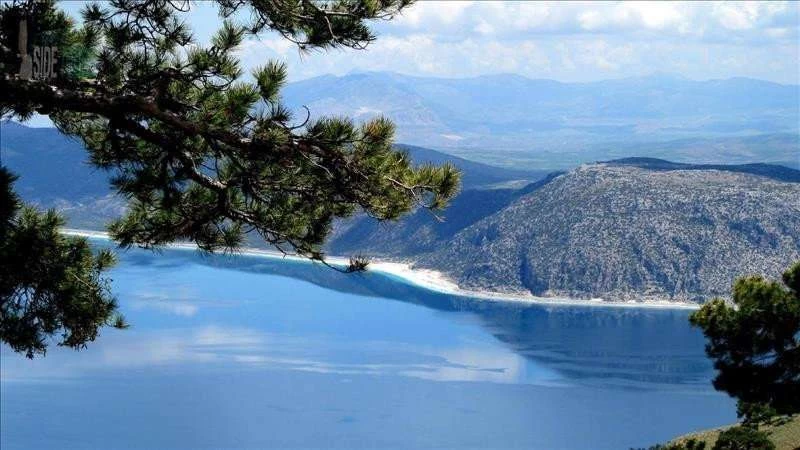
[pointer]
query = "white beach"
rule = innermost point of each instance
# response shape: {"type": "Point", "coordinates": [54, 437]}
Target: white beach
{"type": "Point", "coordinates": [426, 278]}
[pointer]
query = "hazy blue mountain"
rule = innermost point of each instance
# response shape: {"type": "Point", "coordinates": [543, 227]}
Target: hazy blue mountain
{"type": "Point", "coordinates": [777, 148]}
{"type": "Point", "coordinates": [544, 123]}
{"type": "Point", "coordinates": [775, 172]}
{"type": "Point", "coordinates": [473, 174]}
{"type": "Point", "coordinates": [52, 165]}
{"type": "Point", "coordinates": [54, 172]}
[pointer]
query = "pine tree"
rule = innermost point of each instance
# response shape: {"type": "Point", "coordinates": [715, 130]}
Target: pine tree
{"type": "Point", "coordinates": [49, 283]}
{"type": "Point", "coordinates": [201, 151]}
{"type": "Point", "coordinates": [755, 344]}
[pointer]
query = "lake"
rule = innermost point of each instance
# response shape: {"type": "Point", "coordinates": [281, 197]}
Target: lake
{"type": "Point", "coordinates": [249, 352]}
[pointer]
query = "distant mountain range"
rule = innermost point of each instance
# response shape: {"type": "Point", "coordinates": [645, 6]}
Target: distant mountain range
{"type": "Point", "coordinates": [623, 229]}
{"type": "Point", "coordinates": [513, 121]}
{"type": "Point", "coordinates": [55, 160]}
{"type": "Point", "coordinates": [53, 165]}
{"type": "Point", "coordinates": [626, 228]}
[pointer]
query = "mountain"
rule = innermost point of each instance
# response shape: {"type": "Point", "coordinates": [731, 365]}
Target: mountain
{"type": "Point", "coordinates": [473, 174]}
{"type": "Point", "coordinates": [617, 229]}
{"type": "Point", "coordinates": [776, 172]}
{"type": "Point", "coordinates": [423, 231]}
{"type": "Point", "coordinates": [511, 120]}
{"type": "Point", "coordinates": [626, 230]}
{"type": "Point", "coordinates": [54, 172]}
{"type": "Point", "coordinates": [777, 148]}
{"type": "Point", "coordinates": [54, 166]}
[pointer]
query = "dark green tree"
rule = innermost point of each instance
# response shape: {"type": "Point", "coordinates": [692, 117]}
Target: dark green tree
{"type": "Point", "coordinates": [743, 438]}
{"type": "Point", "coordinates": [755, 344]}
{"type": "Point", "coordinates": [689, 444]}
{"type": "Point", "coordinates": [49, 283]}
{"type": "Point", "coordinates": [201, 151]}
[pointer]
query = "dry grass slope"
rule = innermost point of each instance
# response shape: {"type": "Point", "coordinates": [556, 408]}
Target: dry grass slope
{"type": "Point", "coordinates": [785, 436]}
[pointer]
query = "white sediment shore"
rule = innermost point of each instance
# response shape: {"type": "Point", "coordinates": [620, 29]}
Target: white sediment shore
{"type": "Point", "coordinates": [428, 279]}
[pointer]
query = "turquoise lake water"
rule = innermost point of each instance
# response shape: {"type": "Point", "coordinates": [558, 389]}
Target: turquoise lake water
{"type": "Point", "coordinates": [247, 352]}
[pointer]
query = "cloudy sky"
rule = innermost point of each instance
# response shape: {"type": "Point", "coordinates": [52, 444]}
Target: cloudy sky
{"type": "Point", "coordinates": [580, 41]}
{"type": "Point", "coordinates": [569, 41]}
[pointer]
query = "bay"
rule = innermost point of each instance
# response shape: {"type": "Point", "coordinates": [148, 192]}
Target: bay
{"type": "Point", "coordinates": [249, 352]}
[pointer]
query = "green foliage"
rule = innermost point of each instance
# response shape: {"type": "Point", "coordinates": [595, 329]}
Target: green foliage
{"type": "Point", "coordinates": [46, 26]}
{"type": "Point", "coordinates": [693, 444]}
{"type": "Point", "coordinates": [201, 153]}
{"type": "Point", "coordinates": [49, 284]}
{"type": "Point", "coordinates": [317, 25]}
{"type": "Point", "coordinates": [756, 413]}
{"type": "Point", "coordinates": [689, 444]}
{"type": "Point", "coordinates": [743, 438]}
{"type": "Point", "coordinates": [754, 344]}
{"type": "Point", "coordinates": [207, 156]}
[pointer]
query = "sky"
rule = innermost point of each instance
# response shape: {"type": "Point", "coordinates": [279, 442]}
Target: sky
{"type": "Point", "coordinates": [569, 41]}
{"type": "Point", "coordinates": [576, 42]}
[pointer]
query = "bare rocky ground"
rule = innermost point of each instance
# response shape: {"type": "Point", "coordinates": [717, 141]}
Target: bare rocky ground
{"type": "Point", "coordinates": [619, 232]}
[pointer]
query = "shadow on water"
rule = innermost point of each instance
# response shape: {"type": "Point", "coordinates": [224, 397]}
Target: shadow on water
{"type": "Point", "coordinates": [631, 348]}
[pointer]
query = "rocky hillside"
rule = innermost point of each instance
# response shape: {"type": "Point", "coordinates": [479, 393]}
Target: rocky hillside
{"type": "Point", "coordinates": [423, 231]}
{"type": "Point", "coordinates": [621, 231]}
{"type": "Point", "coordinates": [624, 228]}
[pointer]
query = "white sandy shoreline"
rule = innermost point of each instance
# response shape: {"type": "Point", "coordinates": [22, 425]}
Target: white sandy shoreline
{"type": "Point", "coordinates": [428, 279]}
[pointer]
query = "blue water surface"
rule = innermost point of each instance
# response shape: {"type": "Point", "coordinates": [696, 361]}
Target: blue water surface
{"type": "Point", "coordinates": [250, 353]}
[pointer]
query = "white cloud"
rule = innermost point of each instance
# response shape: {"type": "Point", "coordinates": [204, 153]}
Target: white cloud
{"type": "Point", "coordinates": [431, 13]}
{"type": "Point", "coordinates": [555, 40]}
{"type": "Point", "coordinates": [484, 28]}
{"type": "Point", "coordinates": [578, 41]}
{"type": "Point", "coordinates": [748, 15]}
{"type": "Point", "coordinates": [635, 15]}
